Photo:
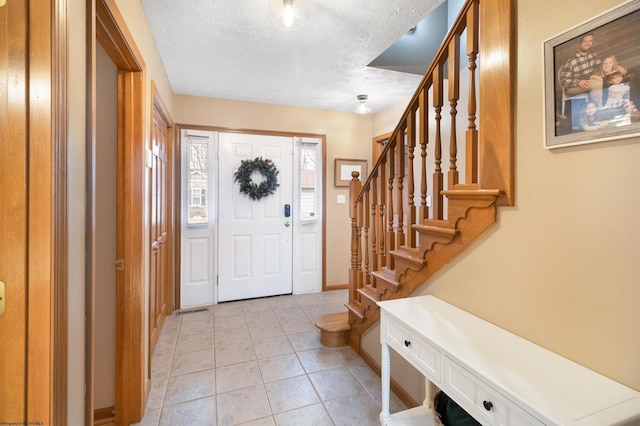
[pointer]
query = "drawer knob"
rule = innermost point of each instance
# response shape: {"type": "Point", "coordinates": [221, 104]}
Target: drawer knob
{"type": "Point", "coordinates": [488, 405]}
{"type": "Point", "coordinates": [407, 343]}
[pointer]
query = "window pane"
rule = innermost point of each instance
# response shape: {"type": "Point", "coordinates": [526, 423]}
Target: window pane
{"type": "Point", "coordinates": [308, 182]}
{"type": "Point", "coordinates": [198, 181]}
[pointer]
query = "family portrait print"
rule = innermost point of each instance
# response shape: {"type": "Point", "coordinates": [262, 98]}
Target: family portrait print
{"type": "Point", "coordinates": [592, 80]}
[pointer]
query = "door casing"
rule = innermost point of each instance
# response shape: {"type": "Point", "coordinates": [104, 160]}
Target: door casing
{"type": "Point", "coordinates": [178, 189]}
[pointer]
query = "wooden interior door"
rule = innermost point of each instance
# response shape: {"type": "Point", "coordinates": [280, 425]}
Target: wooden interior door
{"type": "Point", "coordinates": [13, 212]}
{"type": "Point", "coordinates": [160, 247]}
{"type": "Point", "coordinates": [31, 343]}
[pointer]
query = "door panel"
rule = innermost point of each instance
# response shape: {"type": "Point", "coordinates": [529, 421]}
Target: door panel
{"type": "Point", "coordinates": [159, 254]}
{"type": "Point", "coordinates": [13, 211]}
{"type": "Point", "coordinates": [255, 255]}
{"type": "Point", "coordinates": [197, 269]}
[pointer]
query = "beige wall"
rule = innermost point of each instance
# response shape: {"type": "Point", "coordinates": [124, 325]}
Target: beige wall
{"type": "Point", "coordinates": [348, 135]}
{"type": "Point", "coordinates": [76, 210]}
{"type": "Point", "coordinates": [560, 268]}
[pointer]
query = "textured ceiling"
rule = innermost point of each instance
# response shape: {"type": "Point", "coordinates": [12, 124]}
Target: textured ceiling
{"type": "Point", "coordinates": [229, 49]}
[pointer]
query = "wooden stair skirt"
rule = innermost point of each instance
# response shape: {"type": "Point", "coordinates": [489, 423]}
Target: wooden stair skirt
{"type": "Point", "coordinates": [334, 329]}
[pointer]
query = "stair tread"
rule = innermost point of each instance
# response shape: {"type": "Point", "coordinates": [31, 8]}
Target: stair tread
{"type": "Point", "coordinates": [385, 274]}
{"type": "Point", "coordinates": [436, 227]}
{"type": "Point", "coordinates": [470, 192]}
{"type": "Point", "coordinates": [407, 252]}
{"type": "Point", "coordinates": [333, 322]}
{"type": "Point", "coordinates": [369, 292]}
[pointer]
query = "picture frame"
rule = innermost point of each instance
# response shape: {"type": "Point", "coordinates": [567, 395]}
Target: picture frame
{"type": "Point", "coordinates": [589, 111]}
{"type": "Point", "coordinates": [344, 167]}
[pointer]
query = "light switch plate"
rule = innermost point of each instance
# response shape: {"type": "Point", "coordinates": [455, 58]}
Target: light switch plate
{"type": "Point", "coordinates": [341, 199]}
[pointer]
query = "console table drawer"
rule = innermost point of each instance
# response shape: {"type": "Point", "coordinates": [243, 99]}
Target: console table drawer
{"type": "Point", "coordinates": [476, 396]}
{"type": "Point", "coordinates": [421, 354]}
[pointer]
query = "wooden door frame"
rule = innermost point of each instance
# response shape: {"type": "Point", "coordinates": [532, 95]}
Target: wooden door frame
{"type": "Point", "coordinates": [107, 26]}
{"type": "Point", "coordinates": [38, 33]}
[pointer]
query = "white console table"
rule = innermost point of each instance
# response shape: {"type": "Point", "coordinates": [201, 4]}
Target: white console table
{"type": "Point", "coordinates": [496, 376]}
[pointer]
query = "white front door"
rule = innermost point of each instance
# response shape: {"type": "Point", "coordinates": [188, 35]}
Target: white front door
{"type": "Point", "coordinates": [197, 269]}
{"type": "Point", "coordinates": [255, 237]}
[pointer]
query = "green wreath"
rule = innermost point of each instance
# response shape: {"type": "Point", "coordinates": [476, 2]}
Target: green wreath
{"type": "Point", "coordinates": [265, 188]}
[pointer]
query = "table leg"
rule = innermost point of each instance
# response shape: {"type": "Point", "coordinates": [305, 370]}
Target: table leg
{"type": "Point", "coordinates": [386, 383]}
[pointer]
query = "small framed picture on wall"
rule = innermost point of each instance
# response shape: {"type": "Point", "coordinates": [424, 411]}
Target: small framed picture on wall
{"type": "Point", "coordinates": [344, 167]}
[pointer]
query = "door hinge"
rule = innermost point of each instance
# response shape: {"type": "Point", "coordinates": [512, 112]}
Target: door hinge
{"type": "Point", "coordinates": [120, 265]}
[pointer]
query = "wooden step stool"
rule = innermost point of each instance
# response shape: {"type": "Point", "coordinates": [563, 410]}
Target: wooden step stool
{"type": "Point", "coordinates": [334, 329]}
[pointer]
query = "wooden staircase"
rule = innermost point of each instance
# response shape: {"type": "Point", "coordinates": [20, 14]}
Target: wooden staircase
{"type": "Point", "coordinates": [398, 238]}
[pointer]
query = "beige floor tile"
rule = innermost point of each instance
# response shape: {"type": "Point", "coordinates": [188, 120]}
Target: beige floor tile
{"type": "Point", "coordinates": [190, 386]}
{"type": "Point", "coordinates": [305, 341]}
{"type": "Point", "coordinates": [312, 415]}
{"type": "Point", "coordinates": [349, 357]}
{"type": "Point", "coordinates": [232, 337]}
{"type": "Point", "coordinates": [320, 359]}
{"type": "Point", "coordinates": [200, 412]}
{"type": "Point", "coordinates": [234, 354]}
{"type": "Point", "coordinates": [297, 326]}
{"type": "Point", "coordinates": [242, 406]}
{"type": "Point", "coordinates": [260, 317]}
{"type": "Point", "coordinates": [227, 310]}
{"type": "Point", "coordinates": [195, 328]}
{"type": "Point", "coordinates": [257, 305]}
{"type": "Point", "coordinates": [238, 376]}
{"type": "Point", "coordinates": [266, 330]}
{"type": "Point", "coordinates": [194, 342]}
{"type": "Point", "coordinates": [343, 413]}
{"type": "Point", "coordinates": [151, 418]}
{"type": "Point", "coordinates": [231, 322]}
{"type": "Point", "coordinates": [288, 314]}
{"type": "Point", "coordinates": [265, 421]}
{"type": "Point", "coordinates": [280, 367]}
{"type": "Point", "coordinates": [156, 393]}
{"type": "Point", "coordinates": [267, 348]}
{"type": "Point", "coordinates": [336, 383]}
{"type": "Point", "coordinates": [291, 393]}
{"type": "Point", "coordinates": [191, 362]}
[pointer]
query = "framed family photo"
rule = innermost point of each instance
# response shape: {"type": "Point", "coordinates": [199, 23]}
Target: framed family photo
{"type": "Point", "coordinates": [344, 167]}
{"type": "Point", "coordinates": [592, 80]}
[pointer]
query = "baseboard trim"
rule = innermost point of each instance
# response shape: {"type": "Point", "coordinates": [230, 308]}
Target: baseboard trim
{"type": "Point", "coordinates": [330, 287]}
{"type": "Point", "coordinates": [104, 416]}
{"type": "Point", "coordinates": [395, 387]}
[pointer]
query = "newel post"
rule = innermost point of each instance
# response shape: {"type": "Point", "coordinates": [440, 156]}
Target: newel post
{"type": "Point", "coordinates": [356, 257]}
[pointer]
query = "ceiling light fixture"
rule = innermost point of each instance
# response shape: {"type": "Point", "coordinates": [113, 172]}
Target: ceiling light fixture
{"type": "Point", "coordinates": [362, 107]}
{"type": "Point", "coordinates": [288, 14]}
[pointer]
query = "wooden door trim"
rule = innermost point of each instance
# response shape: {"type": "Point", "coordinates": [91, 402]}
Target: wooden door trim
{"type": "Point", "coordinates": [60, 47]}
{"type": "Point", "coordinates": [113, 35]}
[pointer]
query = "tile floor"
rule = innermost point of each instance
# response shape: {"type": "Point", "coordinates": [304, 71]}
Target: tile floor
{"type": "Point", "coordinates": [260, 362]}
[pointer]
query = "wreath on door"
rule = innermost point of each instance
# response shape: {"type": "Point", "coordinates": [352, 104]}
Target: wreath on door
{"type": "Point", "coordinates": [257, 191]}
